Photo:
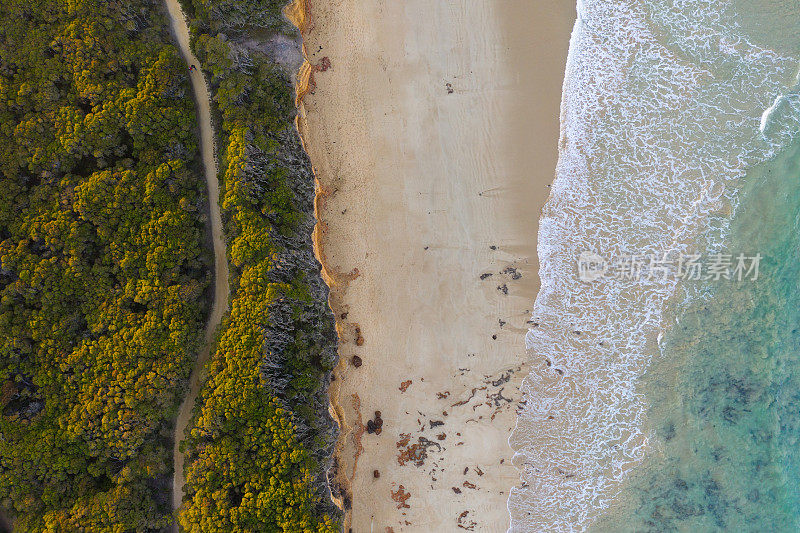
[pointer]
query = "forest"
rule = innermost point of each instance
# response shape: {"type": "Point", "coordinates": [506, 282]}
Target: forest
{"type": "Point", "coordinates": [104, 269]}
{"type": "Point", "coordinates": [105, 272]}
{"type": "Point", "coordinates": [260, 438]}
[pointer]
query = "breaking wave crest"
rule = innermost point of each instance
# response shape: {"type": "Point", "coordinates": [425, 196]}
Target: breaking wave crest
{"type": "Point", "coordinates": [666, 105]}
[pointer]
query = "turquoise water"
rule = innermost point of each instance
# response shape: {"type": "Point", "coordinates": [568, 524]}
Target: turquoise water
{"type": "Point", "coordinates": [659, 404]}
{"type": "Point", "coordinates": [724, 394]}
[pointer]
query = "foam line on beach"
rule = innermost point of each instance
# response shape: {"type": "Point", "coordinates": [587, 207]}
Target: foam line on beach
{"type": "Point", "coordinates": [662, 104]}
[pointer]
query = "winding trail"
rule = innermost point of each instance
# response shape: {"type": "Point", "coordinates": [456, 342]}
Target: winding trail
{"type": "Point", "coordinates": [180, 30]}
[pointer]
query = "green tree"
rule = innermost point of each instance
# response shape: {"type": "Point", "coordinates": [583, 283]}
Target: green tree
{"type": "Point", "coordinates": [102, 273]}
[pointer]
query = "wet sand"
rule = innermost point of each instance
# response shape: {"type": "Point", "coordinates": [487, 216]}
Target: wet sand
{"type": "Point", "coordinates": [433, 130]}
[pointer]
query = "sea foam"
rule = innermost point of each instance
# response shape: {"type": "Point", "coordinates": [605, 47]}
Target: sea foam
{"type": "Point", "coordinates": [666, 104]}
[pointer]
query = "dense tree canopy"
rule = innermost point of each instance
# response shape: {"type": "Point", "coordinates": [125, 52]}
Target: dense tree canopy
{"type": "Point", "coordinates": [102, 273]}
{"type": "Point", "coordinates": [260, 437]}
{"type": "Point", "coordinates": [104, 276]}
{"type": "Point", "coordinates": [226, 15]}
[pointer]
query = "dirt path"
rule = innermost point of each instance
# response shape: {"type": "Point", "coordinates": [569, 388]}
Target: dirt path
{"type": "Point", "coordinates": [221, 289]}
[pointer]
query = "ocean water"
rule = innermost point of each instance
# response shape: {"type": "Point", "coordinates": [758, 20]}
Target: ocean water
{"type": "Point", "coordinates": [657, 402]}
{"type": "Point", "coordinates": [723, 393]}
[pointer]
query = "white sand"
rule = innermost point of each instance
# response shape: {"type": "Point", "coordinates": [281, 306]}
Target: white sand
{"type": "Point", "coordinates": [417, 186]}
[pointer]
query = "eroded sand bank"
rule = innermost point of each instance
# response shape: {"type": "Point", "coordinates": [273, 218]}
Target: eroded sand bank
{"type": "Point", "coordinates": [432, 128]}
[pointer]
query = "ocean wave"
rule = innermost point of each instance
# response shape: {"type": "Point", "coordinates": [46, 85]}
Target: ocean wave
{"type": "Point", "coordinates": [665, 106]}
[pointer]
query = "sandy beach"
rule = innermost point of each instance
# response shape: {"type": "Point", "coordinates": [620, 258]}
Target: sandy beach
{"type": "Point", "coordinates": [433, 130]}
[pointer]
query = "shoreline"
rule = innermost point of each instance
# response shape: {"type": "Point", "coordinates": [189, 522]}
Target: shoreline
{"type": "Point", "coordinates": [594, 425]}
{"type": "Point", "coordinates": [452, 231]}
